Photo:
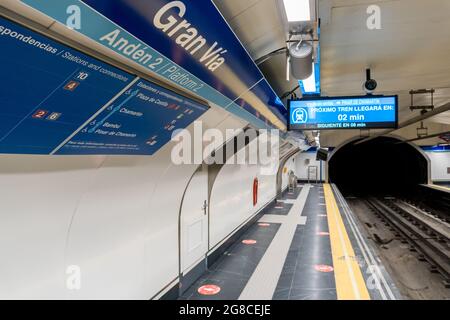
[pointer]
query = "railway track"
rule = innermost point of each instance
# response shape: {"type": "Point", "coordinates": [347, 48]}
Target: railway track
{"type": "Point", "coordinates": [434, 202]}
{"type": "Point", "coordinates": [425, 232]}
{"type": "Point", "coordinates": [433, 208]}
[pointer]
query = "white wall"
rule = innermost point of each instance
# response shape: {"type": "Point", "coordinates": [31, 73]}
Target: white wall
{"type": "Point", "coordinates": [302, 166]}
{"type": "Point", "coordinates": [440, 161]}
{"type": "Point", "coordinates": [291, 165]}
{"type": "Point", "coordinates": [114, 217]}
{"type": "Point", "coordinates": [231, 202]}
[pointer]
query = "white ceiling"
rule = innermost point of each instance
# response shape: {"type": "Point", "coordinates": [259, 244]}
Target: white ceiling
{"type": "Point", "coordinates": [411, 51]}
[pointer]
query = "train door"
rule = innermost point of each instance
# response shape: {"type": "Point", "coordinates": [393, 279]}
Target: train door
{"type": "Point", "coordinates": [194, 222]}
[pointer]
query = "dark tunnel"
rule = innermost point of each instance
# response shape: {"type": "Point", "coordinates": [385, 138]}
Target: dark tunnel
{"type": "Point", "coordinates": [381, 166]}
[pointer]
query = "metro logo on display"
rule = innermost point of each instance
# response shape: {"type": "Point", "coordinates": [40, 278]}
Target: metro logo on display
{"type": "Point", "coordinates": [365, 112]}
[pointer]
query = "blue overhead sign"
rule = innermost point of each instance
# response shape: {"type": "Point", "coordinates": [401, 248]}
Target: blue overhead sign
{"type": "Point", "coordinates": [48, 90]}
{"type": "Point", "coordinates": [57, 100]}
{"type": "Point", "coordinates": [186, 42]}
{"type": "Point", "coordinates": [366, 112]}
{"type": "Point", "coordinates": [139, 122]}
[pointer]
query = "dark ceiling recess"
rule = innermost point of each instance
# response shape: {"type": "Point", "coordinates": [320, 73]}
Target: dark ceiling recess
{"type": "Point", "coordinates": [380, 166]}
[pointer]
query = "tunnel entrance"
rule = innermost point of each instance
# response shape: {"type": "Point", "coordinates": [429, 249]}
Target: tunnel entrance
{"type": "Point", "coordinates": [379, 167]}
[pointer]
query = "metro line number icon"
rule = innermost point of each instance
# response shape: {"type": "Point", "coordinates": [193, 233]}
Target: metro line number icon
{"type": "Point", "coordinates": [300, 115]}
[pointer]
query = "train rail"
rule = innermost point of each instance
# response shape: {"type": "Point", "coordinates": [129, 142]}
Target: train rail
{"type": "Point", "coordinates": [433, 201]}
{"type": "Point", "coordinates": [426, 232]}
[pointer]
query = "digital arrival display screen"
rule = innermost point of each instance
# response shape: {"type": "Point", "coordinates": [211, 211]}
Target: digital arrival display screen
{"type": "Point", "coordinates": [326, 113]}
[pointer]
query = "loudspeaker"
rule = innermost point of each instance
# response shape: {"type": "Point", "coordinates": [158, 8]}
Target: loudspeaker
{"type": "Point", "coordinates": [301, 60]}
{"type": "Point", "coordinates": [322, 154]}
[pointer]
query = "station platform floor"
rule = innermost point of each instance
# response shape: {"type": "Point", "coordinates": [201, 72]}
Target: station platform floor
{"type": "Point", "coordinates": [306, 246]}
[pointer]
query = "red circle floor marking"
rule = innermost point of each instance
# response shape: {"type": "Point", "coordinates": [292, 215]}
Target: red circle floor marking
{"type": "Point", "coordinates": [264, 224]}
{"type": "Point", "coordinates": [323, 233]}
{"type": "Point", "coordinates": [249, 241]}
{"type": "Point", "coordinates": [323, 268]}
{"type": "Point", "coordinates": [209, 290]}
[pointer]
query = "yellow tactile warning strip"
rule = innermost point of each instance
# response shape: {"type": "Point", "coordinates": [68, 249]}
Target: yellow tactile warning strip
{"type": "Point", "coordinates": [350, 284]}
{"type": "Point", "coordinates": [439, 187]}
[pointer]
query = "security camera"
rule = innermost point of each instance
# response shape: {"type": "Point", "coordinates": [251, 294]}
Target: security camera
{"type": "Point", "coordinates": [370, 85]}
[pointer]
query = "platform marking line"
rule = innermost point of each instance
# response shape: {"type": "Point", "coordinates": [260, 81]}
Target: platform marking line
{"type": "Point", "coordinates": [276, 218]}
{"type": "Point", "coordinates": [350, 284]}
{"type": "Point", "coordinates": [367, 253]}
{"type": "Point", "coordinates": [287, 201]}
{"type": "Point", "coordinates": [264, 280]}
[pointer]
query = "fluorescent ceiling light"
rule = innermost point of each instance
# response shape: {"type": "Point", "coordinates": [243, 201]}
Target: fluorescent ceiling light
{"type": "Point", "coordinates": [297, 10]}
{"type": "Point", "coordinates": [309, 85]}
